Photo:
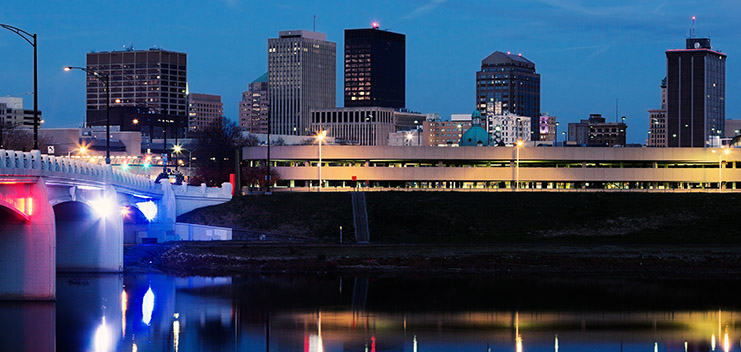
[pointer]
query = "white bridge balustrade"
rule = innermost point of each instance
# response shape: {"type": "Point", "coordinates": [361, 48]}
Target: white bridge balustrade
{"type": "Point", "coordinates": [61, 214]}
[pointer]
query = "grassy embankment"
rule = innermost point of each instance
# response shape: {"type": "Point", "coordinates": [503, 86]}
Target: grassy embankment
{"type": "Point", "coordinates": [683, 236]}
{"type": "Point", "coordinates": [465, 217]}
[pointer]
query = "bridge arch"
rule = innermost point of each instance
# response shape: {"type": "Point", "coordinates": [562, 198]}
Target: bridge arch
{"type": "Point", "coordinates": [135, 224]}
{"type": "Point", "coordinates": [89, 236]}
{"type": "Point", "coordinates": [10, 213]}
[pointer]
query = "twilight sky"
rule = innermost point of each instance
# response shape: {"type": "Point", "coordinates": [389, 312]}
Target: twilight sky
{"type": "Point", "coordinates": [588, 52]}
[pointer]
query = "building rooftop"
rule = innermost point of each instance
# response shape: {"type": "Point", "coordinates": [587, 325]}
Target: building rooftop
{"type": "Point", "coordinates": [302, 34]}
{"type": "Point", "coordinates": [263, 78]}
{"type": "Point", "coordinates": [499, 58]}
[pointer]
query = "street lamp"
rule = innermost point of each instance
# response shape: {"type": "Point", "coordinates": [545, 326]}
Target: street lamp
{"type": "Point", "coordinates": [409, 136]}
{"type": "Point", "coordinates": [517, 164]}
{"type": "Point", "coordinates": [726, 151]}
{"type": "Point", "coordinates": [31, 39]}
{"type": "Point", "coordinates": [320, 138]}
{"type": "Point", "coordinates": [556, 135]}
{"type": "Point", "coordinates": [106, 80]}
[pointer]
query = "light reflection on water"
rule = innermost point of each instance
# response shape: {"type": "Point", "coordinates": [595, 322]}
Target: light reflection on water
{"type": "Point", "coordinates": [162, 313]}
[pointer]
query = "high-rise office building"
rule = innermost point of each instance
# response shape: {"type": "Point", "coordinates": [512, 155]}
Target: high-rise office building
{"type": "Point", "coordinates": [253, 108]}
{"type": "Point", "coordinates": [696, 91]}
{"type": "Point", "coordinates": [657, 122]}
{"type": "Point", "coordinates": [302, 69]}
{"type": "Point", "coordinates": [152, 80]}
{"type": "Point", "coordinates": [203, 110]}
{"type": "Point", "coordinates": [510, 83]}
{"type": "Point", "coordinates": [375, 68]}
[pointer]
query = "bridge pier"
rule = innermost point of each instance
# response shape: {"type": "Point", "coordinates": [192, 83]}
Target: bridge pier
{"type": "Point", "coordinates": [27, 243]}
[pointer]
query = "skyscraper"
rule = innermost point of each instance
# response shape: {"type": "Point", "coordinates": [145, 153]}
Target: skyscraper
{"type": "Point", "coordinates": [510, 82]}
{"type": "Point", "coordinates": [153, 80]}
{"type": "Point", "coordinates": [253, 109]}
{"type": "Point", "coordinates": [375, 68]}
{"type": "Point", "coordinates": [696, 89]}
{"type": "Point", "coordinates": [204, 110]}
{"type": "Point", "coordinates": [301, 76]}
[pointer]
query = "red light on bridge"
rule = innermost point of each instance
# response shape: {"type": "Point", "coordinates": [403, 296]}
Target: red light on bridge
{"type": "Point", "coordinates": [24, 205]}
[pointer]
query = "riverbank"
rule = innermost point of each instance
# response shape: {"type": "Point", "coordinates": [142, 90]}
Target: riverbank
{"type": "Point", "coordinates": [547, 259]}
{"type": "Point", "coordinates": [481, 217]}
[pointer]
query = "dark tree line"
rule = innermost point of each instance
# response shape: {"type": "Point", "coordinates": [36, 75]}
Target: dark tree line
{"type": "Point", "coordinates": [214, 157]}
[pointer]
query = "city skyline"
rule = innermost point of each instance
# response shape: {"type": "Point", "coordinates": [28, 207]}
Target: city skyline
{"type": "Point", "coordinates": [621, 56]}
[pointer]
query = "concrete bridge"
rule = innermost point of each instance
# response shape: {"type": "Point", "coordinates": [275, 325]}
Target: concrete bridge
{"type": "Point", "coordinates": [60, 214]}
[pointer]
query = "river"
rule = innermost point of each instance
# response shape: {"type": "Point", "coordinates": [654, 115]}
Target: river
{"type": "Point", "coordinates": [154, 312]}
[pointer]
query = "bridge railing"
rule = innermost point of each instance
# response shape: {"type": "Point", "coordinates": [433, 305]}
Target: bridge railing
{"type": "Point", "coordinates": [36, 164]}
{"type": "Point", "coordinates": [225, 191]}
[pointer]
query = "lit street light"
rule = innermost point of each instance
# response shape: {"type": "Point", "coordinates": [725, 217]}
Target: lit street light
{"type": "Point", "coordinates": [106, 80]}
{"type": "Point", "coordinates": [726, 151]}
{"type": "Point", "coordinates": [517, 164]}
{"type": "Point", "coordinates": [320, 138]}
{"type": "Point", "coordinates": [31, 39]}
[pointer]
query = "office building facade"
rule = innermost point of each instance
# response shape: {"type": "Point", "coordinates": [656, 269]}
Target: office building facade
{"type": "Point", "coordinates": [508, 128]}
{"type": "Point", "coordinates": [13, 114]}
{"type": "Point", "coordinates": [253, 108]}
{"type": "Point", "coordinates": [375, 68]}
{"type": "Point", "coordinates": [444, 133]}
{"type": "Point", "coordinates": [510, 84]}
{"type": "Point", "coordinates": [364, 125]}
{"type": "Point", "coordinates": [302, 69]}
{"type": "Point", "coordinates": [657, 122]}
{"type": "Point", "coordinates": [695, 110]}
{"type": "Point", "coordinates": [151, 79]}
{"type": "Point", "coordinates": [203, 111]}
{"type": "Point", "coordinates": [596, 132]}
{"type": "Point", "coordinates": [548, 127]}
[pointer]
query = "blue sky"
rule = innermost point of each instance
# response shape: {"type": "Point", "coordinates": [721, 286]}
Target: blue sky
{"type": "Point", "coordinates": [588, 52]}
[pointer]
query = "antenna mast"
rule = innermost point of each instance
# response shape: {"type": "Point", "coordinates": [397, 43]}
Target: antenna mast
{"type": "Point", "coordinates": [692, 30]}
{"type": "Point", "coordinates": [315, 23]}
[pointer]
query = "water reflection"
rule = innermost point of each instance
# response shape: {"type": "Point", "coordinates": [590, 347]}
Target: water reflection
{"type": "Point", "coordinates": [161, 313]}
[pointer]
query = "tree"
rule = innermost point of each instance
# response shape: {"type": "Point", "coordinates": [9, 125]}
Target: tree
{"type": "Point", "coordinates": [13, 137]}
{"type": "Point", "coordinates": [214, 157]}
{"type": "Point", "coordinates": [254, 176]}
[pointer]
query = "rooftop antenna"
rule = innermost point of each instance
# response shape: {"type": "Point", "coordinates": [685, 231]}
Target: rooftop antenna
{"type": "Point", "coordinates": [314, 23]}
{"type": "Point", "coordinates": [692, 30]}
{"type": "Point", "coordinates": [616, 110]}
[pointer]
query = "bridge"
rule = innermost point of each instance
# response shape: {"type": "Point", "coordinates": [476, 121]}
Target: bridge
{"type": "Point", "coordinates": [60, 214]}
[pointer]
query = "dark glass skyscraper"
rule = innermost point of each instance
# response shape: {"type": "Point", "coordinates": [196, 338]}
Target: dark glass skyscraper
{"type": "Point", "coordinates": [375, 68]}
{"type": "Point", "coordinates": [508, 82]}
{"type": "Point", "coordinates": [696, 89]}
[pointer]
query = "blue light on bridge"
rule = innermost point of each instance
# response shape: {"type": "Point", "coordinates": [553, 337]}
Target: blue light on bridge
{"type": "Point", "coordinates": [149, 209]}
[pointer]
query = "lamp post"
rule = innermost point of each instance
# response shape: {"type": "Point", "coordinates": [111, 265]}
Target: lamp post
{"type": "Point", "coordinates": [726, 151]}
{"type": "Point", "coordinates": [564, 137]}
{"type": "Point", "coordinates": [517, 164]}
{"type": "Point", "coordinates": [409, 136]}
{"type": "Point", "coordinates": [106, 80]}
{"type": "Point", "coordinates": [320, 138]}
{"type": "Point", "coordinates": [556, 135]}
{"type": "Point", "coordinates": [31, 39]}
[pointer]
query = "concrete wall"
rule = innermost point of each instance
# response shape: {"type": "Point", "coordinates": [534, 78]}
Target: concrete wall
{"type": "Point", "coordinates": [195, 232]}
